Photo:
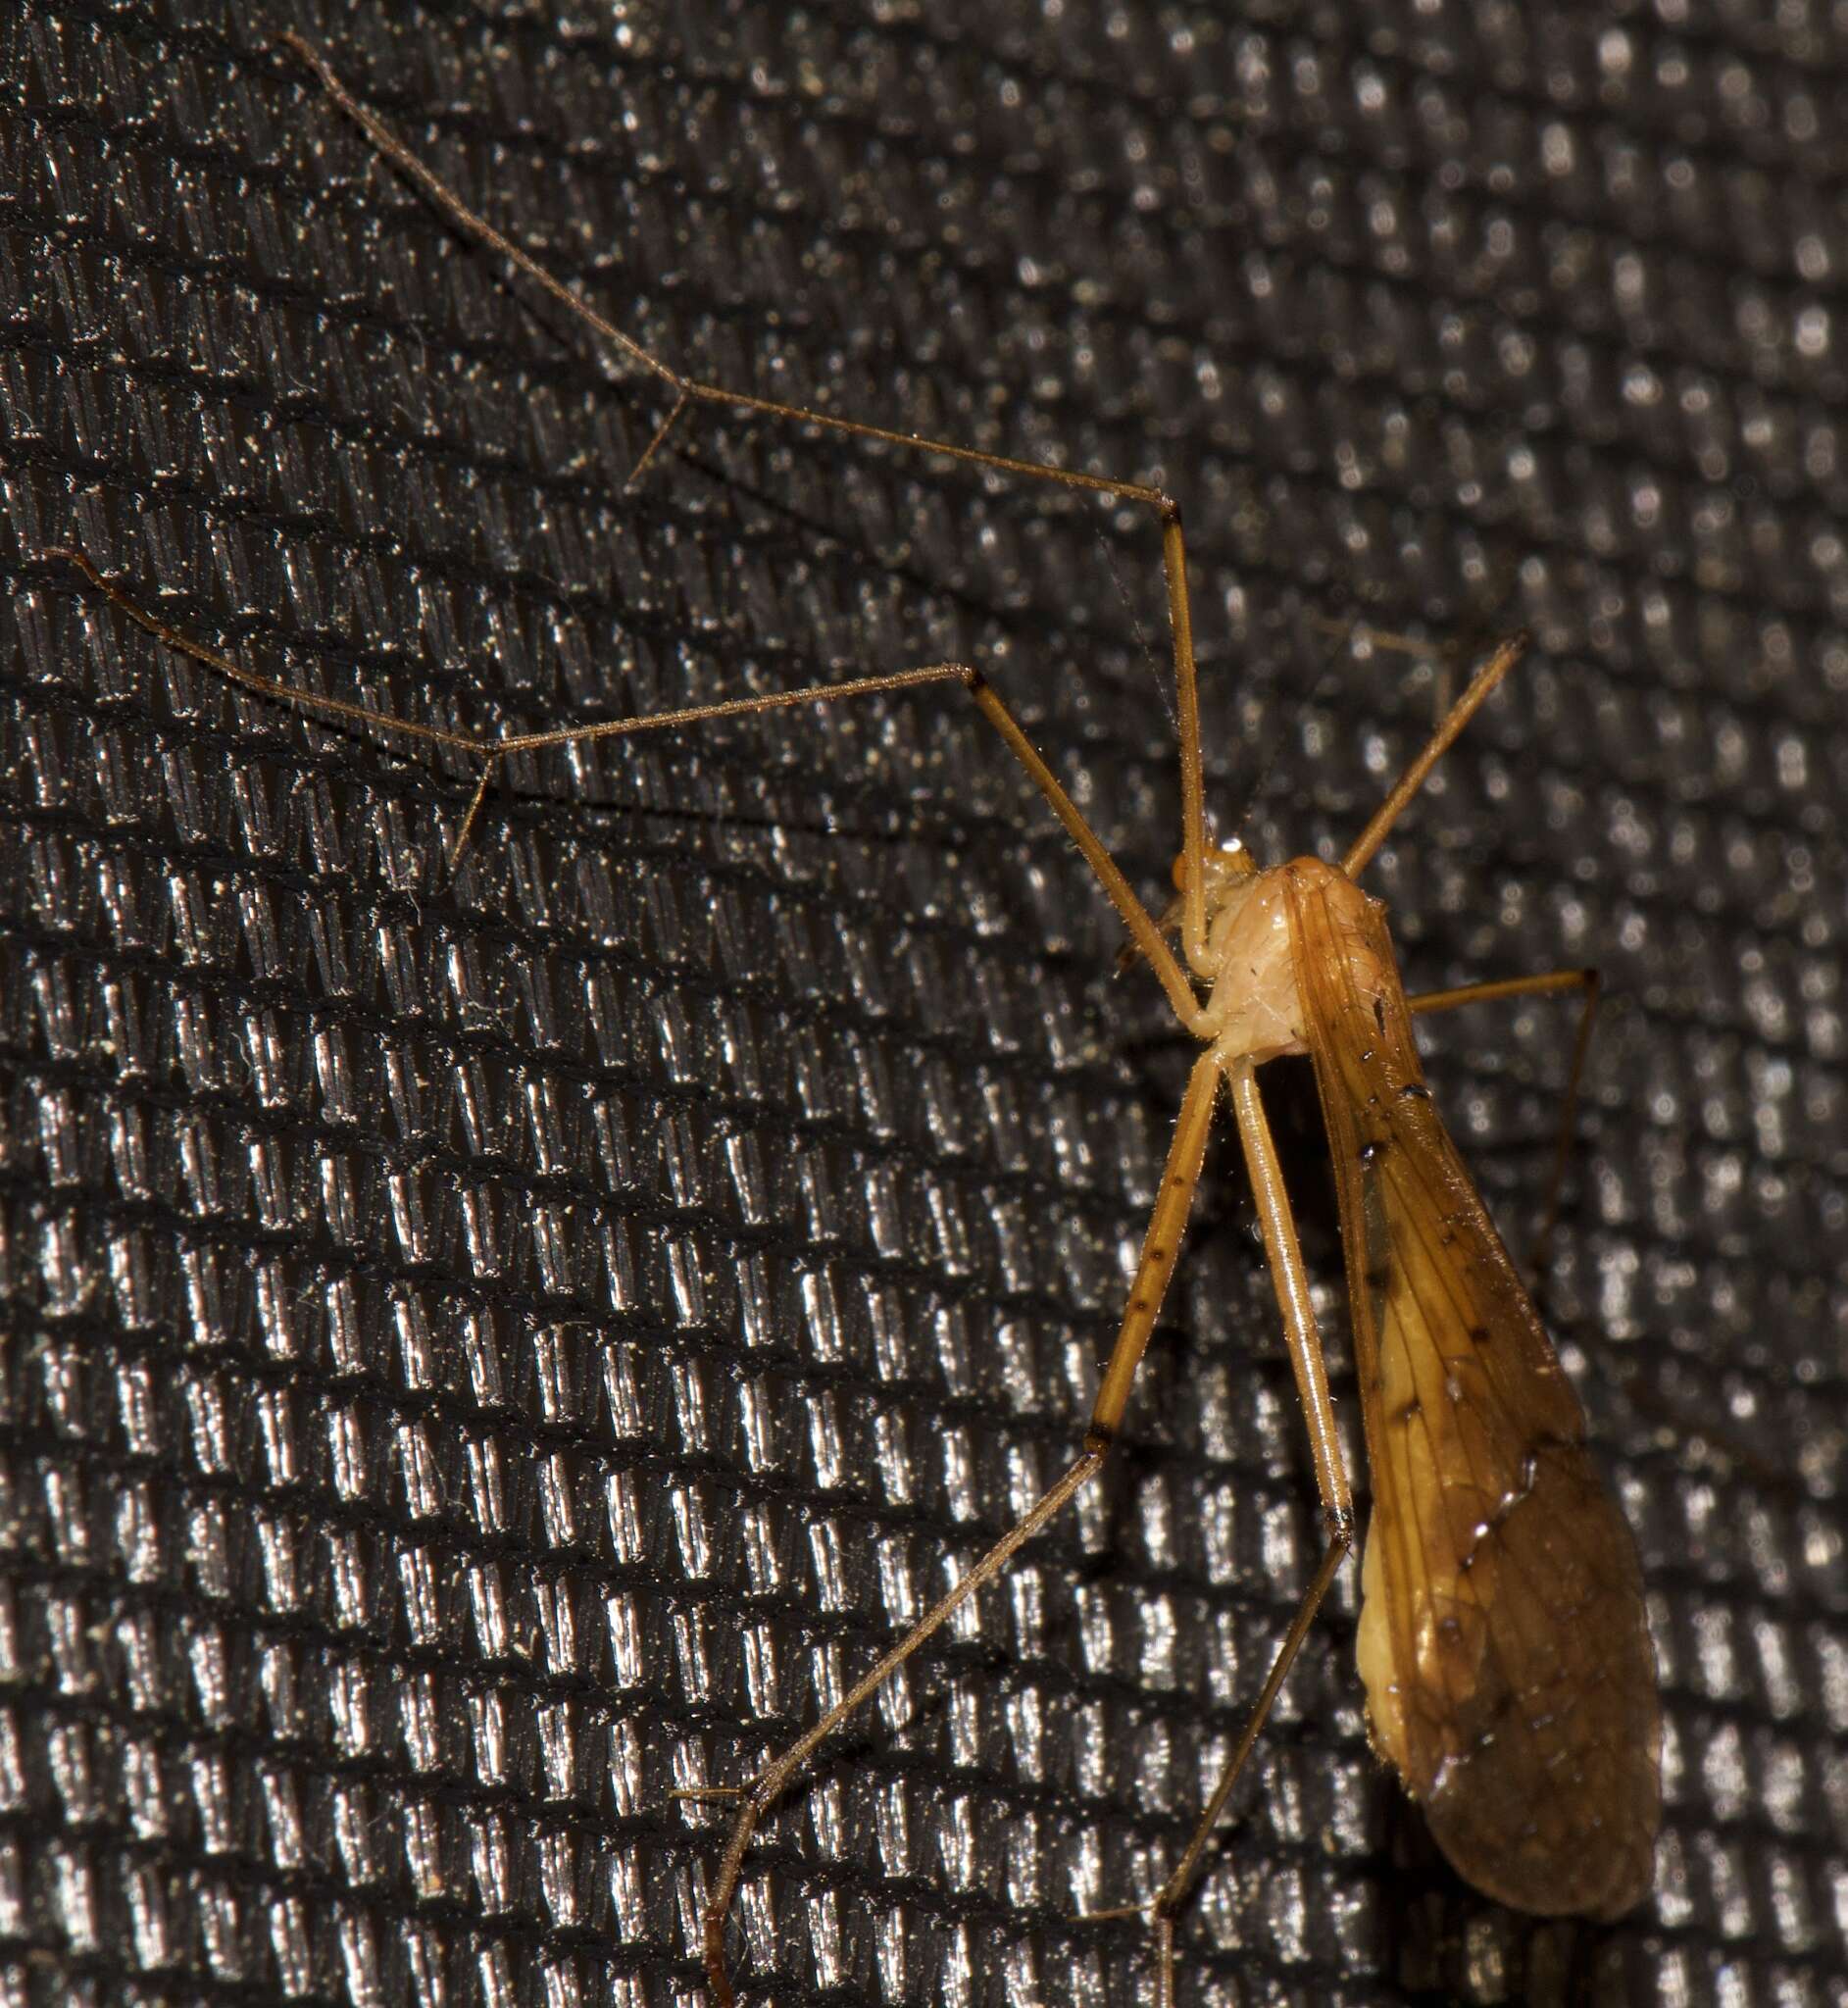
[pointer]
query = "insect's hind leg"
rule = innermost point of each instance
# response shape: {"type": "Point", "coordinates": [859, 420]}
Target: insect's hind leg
{"type": "Point", "coordinates": [1549, 983]}
{"type": "Point", "coordinates": [1289, 1278]}
{"type": "Point", "coordinates": [1161, 1249]}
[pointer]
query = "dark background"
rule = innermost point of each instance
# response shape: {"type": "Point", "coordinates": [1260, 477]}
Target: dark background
{"type": "Point", "coordinates": [482, 1351]}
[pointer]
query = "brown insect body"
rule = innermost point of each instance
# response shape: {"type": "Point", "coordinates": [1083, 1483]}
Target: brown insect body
{"type": "Point", "coordinates": [1509, 1673]}
{"type": "Point", "coordinates": [1502, 1645]}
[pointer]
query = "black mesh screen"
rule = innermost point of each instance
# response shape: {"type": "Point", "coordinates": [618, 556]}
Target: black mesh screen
{"type": "Point", "coordinates": [487, 1348]}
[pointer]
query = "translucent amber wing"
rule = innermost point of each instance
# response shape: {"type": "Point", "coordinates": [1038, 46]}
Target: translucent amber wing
{"type": "Point", "coordinates": [1503, 1644]}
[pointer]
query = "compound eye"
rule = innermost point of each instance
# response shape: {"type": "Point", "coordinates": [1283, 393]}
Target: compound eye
{"type": "Point", "coordinates": [1226, 863]}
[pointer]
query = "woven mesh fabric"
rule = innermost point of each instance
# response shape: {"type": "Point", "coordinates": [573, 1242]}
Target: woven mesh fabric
{"type": "Point", "coordinates": [486, 1348]}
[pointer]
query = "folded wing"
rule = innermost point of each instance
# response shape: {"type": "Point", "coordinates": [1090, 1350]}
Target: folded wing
{"type": "Point", "coordinates": [1503, 1644]}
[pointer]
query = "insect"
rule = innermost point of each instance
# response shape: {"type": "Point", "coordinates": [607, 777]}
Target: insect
{"type": "Point", "coordinates": [1531, 1741]}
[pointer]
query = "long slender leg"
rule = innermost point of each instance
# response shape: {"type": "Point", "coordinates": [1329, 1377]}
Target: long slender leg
{"type": "Point", "coordinates": [490, 752]}
{"type": "Point", "coordinates": [1161, 1247]}
{"type": "Point", "coordinates": [1290, 1279]}
{"type": "Point", "coordinates": [1638, 1391]}
{"type": "Point", "coordinates": [234, 672]}
{"type": "Point", "coordinates": [1167, 1223]}
{"type": "Point", "coordinates": [689, 390]}
{"type": "Point", "coordinates": [1435, 748]}
{"type": "Point", "coordinates": [1459, 647]}
{"type": "Point", "coordinates": [1551, 983]}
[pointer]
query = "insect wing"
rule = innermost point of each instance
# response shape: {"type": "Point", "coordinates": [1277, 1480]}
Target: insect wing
{"type": "Point", "coordinates": [1503, 1642]}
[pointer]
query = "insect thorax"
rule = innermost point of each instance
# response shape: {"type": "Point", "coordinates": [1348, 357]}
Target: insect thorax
{"type": "Point", "coordinates": [1255, 1008]}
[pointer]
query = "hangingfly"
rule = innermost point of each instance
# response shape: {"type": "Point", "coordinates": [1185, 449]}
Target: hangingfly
{"type": "Point", "coordinates": [1503, 1647]}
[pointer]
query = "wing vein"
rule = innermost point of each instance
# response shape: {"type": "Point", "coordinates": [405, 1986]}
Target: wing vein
{"type": "Point", "coordinates": [1503, 1641]}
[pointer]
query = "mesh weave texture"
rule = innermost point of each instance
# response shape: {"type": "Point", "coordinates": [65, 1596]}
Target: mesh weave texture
{"type": "Point", "coordinates": [485, 1349]}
